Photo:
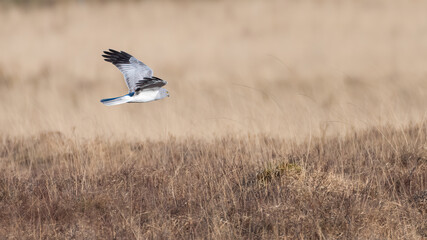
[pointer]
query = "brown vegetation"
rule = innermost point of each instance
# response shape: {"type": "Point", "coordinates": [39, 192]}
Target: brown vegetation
{"type": "Point", "coordinates": [368, 185]}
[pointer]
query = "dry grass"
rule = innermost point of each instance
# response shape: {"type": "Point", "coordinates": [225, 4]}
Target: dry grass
{"type": "Point", "coordinates": [370, 185]}
{"type": "Point", "coordinates": [287, 119]}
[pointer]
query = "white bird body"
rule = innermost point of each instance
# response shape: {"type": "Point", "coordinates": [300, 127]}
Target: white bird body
{"type": "Point", "coordinates": [143, 86]}
{"type": "Point", "coordinates": [142, 97]}
{"type": "Point", "coordinates": [148, 96]}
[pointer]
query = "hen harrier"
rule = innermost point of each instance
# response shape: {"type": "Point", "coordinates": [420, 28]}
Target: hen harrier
{"type": "Point", "coordinates": [143, 87]}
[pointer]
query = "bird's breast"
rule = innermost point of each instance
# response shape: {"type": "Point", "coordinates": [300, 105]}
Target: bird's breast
{"type": "Point", "coordinates": [145, 96]}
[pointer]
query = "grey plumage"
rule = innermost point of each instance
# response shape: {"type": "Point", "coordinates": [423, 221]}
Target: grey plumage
{"type": "Point", "coordinates": [134, 71]}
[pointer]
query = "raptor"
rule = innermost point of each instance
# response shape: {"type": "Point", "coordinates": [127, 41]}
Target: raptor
{"type": "Point", "coordinates": [143, 86]}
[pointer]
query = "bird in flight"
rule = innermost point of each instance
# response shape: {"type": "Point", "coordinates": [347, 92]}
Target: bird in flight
{"type": "Point", "coordinates": [143, 86]}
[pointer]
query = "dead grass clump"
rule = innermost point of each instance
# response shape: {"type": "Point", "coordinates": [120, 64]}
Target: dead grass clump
{"type": "Point", "coordinates": [366, 185]}
{"type": "Point", "coordinates": [287, 169]}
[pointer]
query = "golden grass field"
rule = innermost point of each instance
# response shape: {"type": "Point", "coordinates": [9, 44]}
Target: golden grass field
{"type": "Point", "coordinates": [287, 120]}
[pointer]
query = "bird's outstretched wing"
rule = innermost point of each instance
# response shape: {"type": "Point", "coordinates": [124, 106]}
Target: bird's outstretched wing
{"type": "Point", "coordinates": [132, 69]}
{"type": "Point", "coordinates": [149, 83]}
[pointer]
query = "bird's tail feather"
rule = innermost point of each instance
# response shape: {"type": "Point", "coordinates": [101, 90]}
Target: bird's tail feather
{"type": "Point", "coordinates": [117, 100]}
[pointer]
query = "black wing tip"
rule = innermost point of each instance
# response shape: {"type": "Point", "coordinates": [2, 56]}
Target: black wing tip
{"type": "Point", "coordinates": [152, 82]}
{"type": "Point", "coordinates": [125, 53]}
{"type": "Point", "coordinates": [116, 57]}
{"type": "Point", "coordinates": [153, 78]}
{"type": "Point", "coordinates": [112, 51]}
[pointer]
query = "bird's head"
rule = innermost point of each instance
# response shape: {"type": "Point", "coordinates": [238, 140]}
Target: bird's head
{"type": "Point", "coordinates": [162, 93]}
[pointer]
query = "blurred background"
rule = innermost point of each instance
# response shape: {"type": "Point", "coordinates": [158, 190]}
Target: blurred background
{"type": "Point", "coordinates": [286, 68]}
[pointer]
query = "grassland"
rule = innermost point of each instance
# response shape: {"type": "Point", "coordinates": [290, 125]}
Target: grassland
{"type": "Point", "coordinates": [287, 119]}
{"type": "Point", "coordinates": [370, 185]}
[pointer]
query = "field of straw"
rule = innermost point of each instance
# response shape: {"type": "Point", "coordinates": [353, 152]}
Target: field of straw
{"type": "Point", "coordinates": [287, 120]}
